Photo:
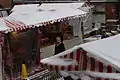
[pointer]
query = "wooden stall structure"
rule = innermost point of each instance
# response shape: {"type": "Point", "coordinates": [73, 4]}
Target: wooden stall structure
{"type": "Point", "coordinates": [90, 58]}
{"type": "Point", "coordinates": [63, 28]}
{"type": "Point", "coordinates": [21, 36]}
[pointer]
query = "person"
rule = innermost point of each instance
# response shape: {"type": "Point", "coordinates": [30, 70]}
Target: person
{"type": "Point", "coordinates": [59, 46]}
{"type": "Point", "coordinates": [103, 33]}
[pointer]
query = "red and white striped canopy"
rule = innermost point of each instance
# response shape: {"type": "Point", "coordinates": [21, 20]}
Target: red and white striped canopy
{"type": "Point", "coordinates": [33, 15]}
{"type": "Point", "coordinates": [9, 25]}
{"type": "Point", "coordinates": [47, 13]}
{"type": "Point", "coordinates": [99, 56]}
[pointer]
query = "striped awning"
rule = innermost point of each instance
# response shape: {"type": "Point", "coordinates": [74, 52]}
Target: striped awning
{"type": "Point", "coordinates": [9, 24]}
{"type": "Point", "coordinates": [31, 16]}
{"type": "Point", "coordinates": [90, 57]}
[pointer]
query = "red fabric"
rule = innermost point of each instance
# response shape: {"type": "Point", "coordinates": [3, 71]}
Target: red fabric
{"type": "Point", "coordinates": [56, 68]}
{"type": "Point", "coordinates": [92, 64]}
{"type": "Point", "coordinates": [100, 67]}
{"type": "Point", "coordinates": [71, 57]}
{"type": "Point", "coordinates": [109, 69]}
{"type": "Point", "coordinates": [76, 68]}
{"type": "Point", "coordinates": [84, 60]}
{"type": "Point", "coordinates": [62, 68]}
{"type": "Point", "coordinates": [51, 67]}
{"type": "Point", "coordinates": [69, 68]}
{"type": "Point", "coordinates": [78, 55]}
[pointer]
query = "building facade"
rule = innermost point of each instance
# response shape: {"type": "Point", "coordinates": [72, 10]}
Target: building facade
{"type": "Point", "coordinates": [110, 10]}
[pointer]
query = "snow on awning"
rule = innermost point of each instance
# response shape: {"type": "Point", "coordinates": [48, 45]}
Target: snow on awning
{"type": "Point", "coordinates": [104, 50]}
{"type": "Point", "coordinates": [9, 25]}
{"type": "Point", "coordinates": [3, 25]}
{"type": "Point", "coordinates": [33, 15]}
{"type": "Point", "coordinates": [47, 13]}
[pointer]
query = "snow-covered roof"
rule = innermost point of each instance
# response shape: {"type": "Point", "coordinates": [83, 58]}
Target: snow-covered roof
{"type": "Point", "coordinates": [106, 50]}
{"type": "Point", "coordinates": [33, 14]}
{"type": "Point", "coordinates": [3, 26]}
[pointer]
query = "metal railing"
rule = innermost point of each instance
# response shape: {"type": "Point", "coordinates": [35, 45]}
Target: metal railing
{"type": "Point", "coordinates": [45, 75]}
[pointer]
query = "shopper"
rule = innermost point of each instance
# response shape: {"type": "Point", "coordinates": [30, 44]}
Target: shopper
{"type": "Point", "coordinates": [59, 46]}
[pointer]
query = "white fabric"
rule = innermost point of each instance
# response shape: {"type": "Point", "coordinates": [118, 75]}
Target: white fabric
{"type": "Point", "coordinates": [75, 75]}
{"type": "Point", "coordinates": [87, 23]}
{"type": "Point", "coordinates": [105, 50]}
{"type": "Point", "coordinates": [95, 29]}
{"type": "Point", "coordinates": [90, 39]}
{"type": "Point", "coordinates": [27, 7]}
{"type": "Point", "coordinates": [115, 32]}
{"type": "Point", "coordinates": [4, 13]}
{"type": "Point", "coordinates": [108, 33]}
{"type": "Point", "coordinates": [61, 78]}
{"type": "Point", "coordinates": [0, 14]}
{"type": "Point", "coordinates": [98, 25]}
{"type": "Point", "coordinates": [45, 6]}
{"type": "Point", "coordinates": [31, 16]}
{"type": "Point", "coordinates": [76, 26]}
{"type": "Point", "coordinates": [64, 73]}
{"type": "Point", "coordinates": [85, 78]}
{"type": "Point", "coordinates": [3, 25]}
{"type": "Point", "coordinates": [59, 61]}
{"type": "Point", "coordinates": [104, 75]}
{"type": "Point", "coordinates": [86, 9]}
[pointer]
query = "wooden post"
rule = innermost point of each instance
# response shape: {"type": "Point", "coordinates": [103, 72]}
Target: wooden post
{"type": "Point", "coordinates": [1, 60]}
{"type": "Point", "coordinates": [1, 65]}
{"type": "Point", "coordinates": [38, 46]}
{"type": "Point", "coordinates": [82, 30]}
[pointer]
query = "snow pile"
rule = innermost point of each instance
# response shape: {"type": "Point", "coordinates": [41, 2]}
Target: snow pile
{"type": "Point", "coordinates": [75, 76]}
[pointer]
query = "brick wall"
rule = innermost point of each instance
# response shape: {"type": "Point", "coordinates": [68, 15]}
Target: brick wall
{"type": "Point", "coordinates": [6, 3]}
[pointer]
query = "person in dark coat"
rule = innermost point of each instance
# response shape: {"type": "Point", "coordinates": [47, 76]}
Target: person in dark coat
{"type": "Point", "coordinates": [59, 46]}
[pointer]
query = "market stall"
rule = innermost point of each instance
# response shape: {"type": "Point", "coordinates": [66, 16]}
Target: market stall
{"type": "Point", "coordinates": [19, 44]}
{"type": "Point", "coordinates": [20, 34]}
{"type": "Point", "coordinates": [52, 14]}
{"type": "Point", "coordinates": [96, 58]}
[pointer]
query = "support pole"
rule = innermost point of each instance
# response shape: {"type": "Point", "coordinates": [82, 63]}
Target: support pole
{"type": "Point", "coordinates": [38, 46]}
